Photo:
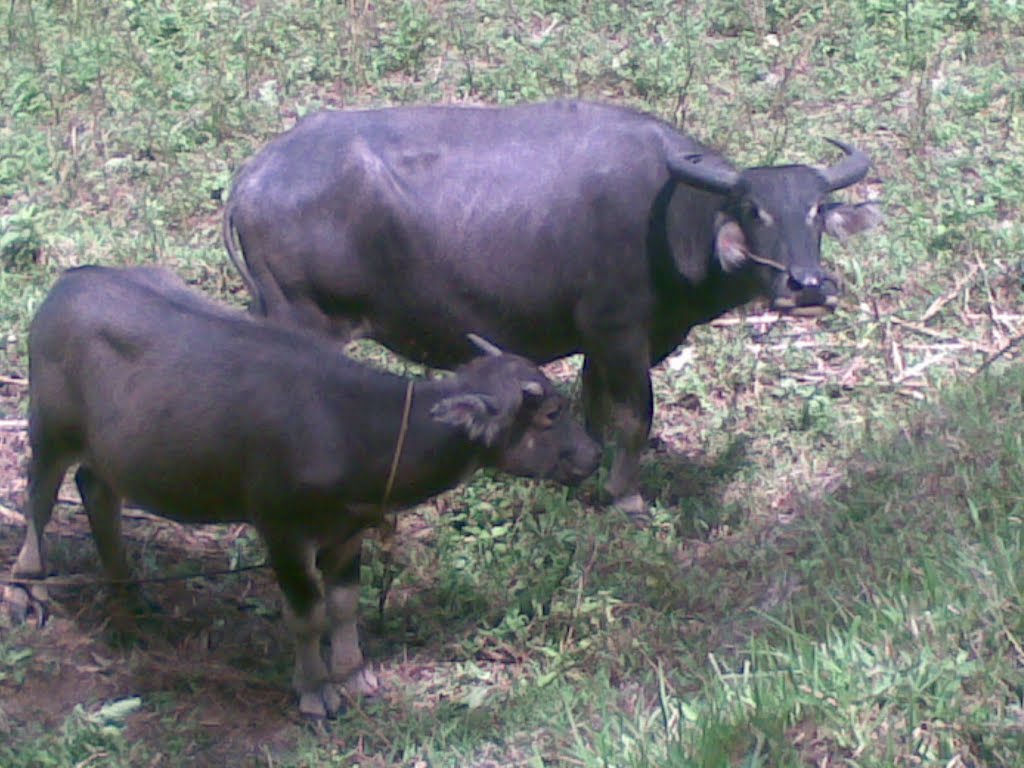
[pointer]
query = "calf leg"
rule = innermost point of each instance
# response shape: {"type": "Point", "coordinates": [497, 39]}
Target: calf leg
{"type": "Point", "coordinates": [339, 562]}
{"type": "Point", "coordinates": [45, 476]}
{"type": "Point", "coordinates": [306, 613]}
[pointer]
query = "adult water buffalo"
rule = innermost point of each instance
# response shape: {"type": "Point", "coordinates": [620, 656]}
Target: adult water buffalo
{"type": "Point", "coordinates": [206, 415]}
{"type": "Point", "coordinates": [550, 228]}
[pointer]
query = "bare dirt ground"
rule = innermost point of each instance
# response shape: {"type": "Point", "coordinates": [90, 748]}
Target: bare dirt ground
{"type": "Point", "coordinates": [219, 640]}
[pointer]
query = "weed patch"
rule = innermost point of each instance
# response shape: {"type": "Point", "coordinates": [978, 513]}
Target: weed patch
{"type": "Point", "coordinates": [832, 572]}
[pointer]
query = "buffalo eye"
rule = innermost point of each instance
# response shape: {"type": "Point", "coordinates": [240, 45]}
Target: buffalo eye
{"type": "Point", "coordinates": [547, 417]}
{"type": "Point", "coordinates": [756, 212]}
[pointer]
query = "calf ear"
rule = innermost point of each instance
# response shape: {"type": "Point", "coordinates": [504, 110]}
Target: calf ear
{"type": "Point", "coordinates": [843, 219]}
{"type": "Point", "coordinates": [478, 415]}
{"type": "Point", "coordinates": [730, 243]}
{"type": "Point", "coordinates": [532, 389]}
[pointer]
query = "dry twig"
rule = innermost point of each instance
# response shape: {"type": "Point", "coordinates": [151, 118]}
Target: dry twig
{"type": "Point", "coordinates": [919, 368]}
{"type": "Point", "coordinates": [1015, 341]}
{"type": "Point", "coordinates": [8, 514]}
{"type": "Point", "coordinates": [13, 381]}
{"type": "Point", "coordinates": [934, 334]}
{"type": "Point", "coordinates": [939, 303]}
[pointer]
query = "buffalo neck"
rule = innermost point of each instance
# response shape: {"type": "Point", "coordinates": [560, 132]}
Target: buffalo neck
{"type": "Point", "coordinates": [433, 456]}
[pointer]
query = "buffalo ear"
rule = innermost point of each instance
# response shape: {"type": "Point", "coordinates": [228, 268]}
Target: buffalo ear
{"type": "Point", "coordinates": [479, 416]}
{"type": "Point", "coordinates": [730, 244]}
{"type": "Point", "coordinates": [532, 389]}
{"type": "Point", "coordinates": [843, 219]}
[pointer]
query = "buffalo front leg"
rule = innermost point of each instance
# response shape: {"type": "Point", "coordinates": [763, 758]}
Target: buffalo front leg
{"type": "Point", "coordinates": [620, 389]}
{"type": "Point", "coordinates": [596, 404]}
{"type": "Point", "coordinates": [44, 480]}
{"type": "Point", "coordinates": [339, 563]}
{"type": "Point", "coordinates": [306, 613]}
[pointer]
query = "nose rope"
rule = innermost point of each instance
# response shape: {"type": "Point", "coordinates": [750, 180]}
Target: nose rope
{"type": "Point", "coordinates": [765, 261]}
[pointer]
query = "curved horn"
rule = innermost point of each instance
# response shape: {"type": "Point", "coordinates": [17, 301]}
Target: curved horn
{"type": "Point", "coordinates": [713, 177]}
{"type": "Point", "coordinates": [847, 171]}
{"type": "Point", "coordinates": [484, 345]}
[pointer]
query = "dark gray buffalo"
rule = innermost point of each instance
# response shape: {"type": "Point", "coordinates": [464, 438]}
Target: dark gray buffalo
{"type": "Point", "coordinates": [549, 228]}
{"type": "Point", "coordinates": [201, 414]}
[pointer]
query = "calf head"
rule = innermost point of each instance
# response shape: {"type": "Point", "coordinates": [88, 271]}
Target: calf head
{"type": "Point", "coordinates": [775, 217]}
{"type": "Point", "coordinates": [520, 421]}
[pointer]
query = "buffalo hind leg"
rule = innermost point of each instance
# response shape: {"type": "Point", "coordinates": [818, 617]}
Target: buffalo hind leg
{"type": "Point", "coordinates": [45, 477]}
{"type": "Point", "coordinates": [103, 507]}
{"type": "Point", "coordinates": [306, 613]}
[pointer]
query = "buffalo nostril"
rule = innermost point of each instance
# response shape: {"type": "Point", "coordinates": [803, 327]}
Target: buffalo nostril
{"type": "Point", "coordinates": [803, 281]}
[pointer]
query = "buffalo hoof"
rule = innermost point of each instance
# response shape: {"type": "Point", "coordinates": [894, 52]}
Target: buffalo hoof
{"type": "Point", "coordinates": [326, 701]}
{"type": "Point", "coordinates": [635, 508]}
{"type": "Point", "coordinates": [24, 601]}
{"type": "Point", "coordinates": [329, 699]}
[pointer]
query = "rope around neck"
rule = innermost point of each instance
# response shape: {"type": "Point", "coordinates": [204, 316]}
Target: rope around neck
{"type": "Point", "coordinates": [389, 522]}
{"type": "Point", "coordinates": [399, 445]}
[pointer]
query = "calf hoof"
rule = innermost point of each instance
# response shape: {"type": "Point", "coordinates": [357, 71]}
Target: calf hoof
{"type": "Point", "coordinates": [23, 601]}
{"type": "Point", "coordinates": [363, 682]}
{"type": "Point", "coordinates": [326, 701]}
{"type": "Point", "coordinates": [329, 699]}
{"type": "Point", "coordinates": [635, 508]}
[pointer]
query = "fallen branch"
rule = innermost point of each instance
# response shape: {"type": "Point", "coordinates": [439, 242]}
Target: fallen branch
{"type": "Point", "coordinates": [932, 333]}
{"type": "Point", "coordinates": [767, 318]}
{"type": "Point", "coordinates": [11, 516]}
{"type": "Point", "coordinates": [13, 425]}
{"type": "Point", "coordinates": [13, 381]}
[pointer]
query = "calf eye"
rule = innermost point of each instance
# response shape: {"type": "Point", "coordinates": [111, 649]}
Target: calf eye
{"type": "Point", "coordinates": [549, 417]}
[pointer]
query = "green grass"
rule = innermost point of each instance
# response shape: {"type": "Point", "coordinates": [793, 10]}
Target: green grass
{"type": "Point", "coordinates": [832, 575]}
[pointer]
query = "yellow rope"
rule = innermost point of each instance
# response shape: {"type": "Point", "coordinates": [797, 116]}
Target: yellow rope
{"type": "Point", "coordinates": [389, 523]}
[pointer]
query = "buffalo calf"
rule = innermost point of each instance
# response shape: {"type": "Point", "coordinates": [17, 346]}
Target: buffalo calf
{"type": "Point", "coordinates": [202, 414]}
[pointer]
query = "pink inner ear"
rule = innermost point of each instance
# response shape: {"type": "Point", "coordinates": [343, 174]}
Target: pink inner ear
{"type": "Point", "coordinates": [730, 246]}
{"type": "Point", "coordinates": [844, 220]}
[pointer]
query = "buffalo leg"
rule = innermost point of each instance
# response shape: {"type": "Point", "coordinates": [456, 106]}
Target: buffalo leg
{"type": "Point", "coordinates": [103, 506]}
{"type": "Point", "coordinates": [44, 480]}
{"type": "Point", "coordinates": [622, 376]}
{"type": "Point", "coordinates": [594, 394]}
{"type": "Point", "coordinates": [306, 613]}
{"type": "Point", "coordinates": [339, 562]}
